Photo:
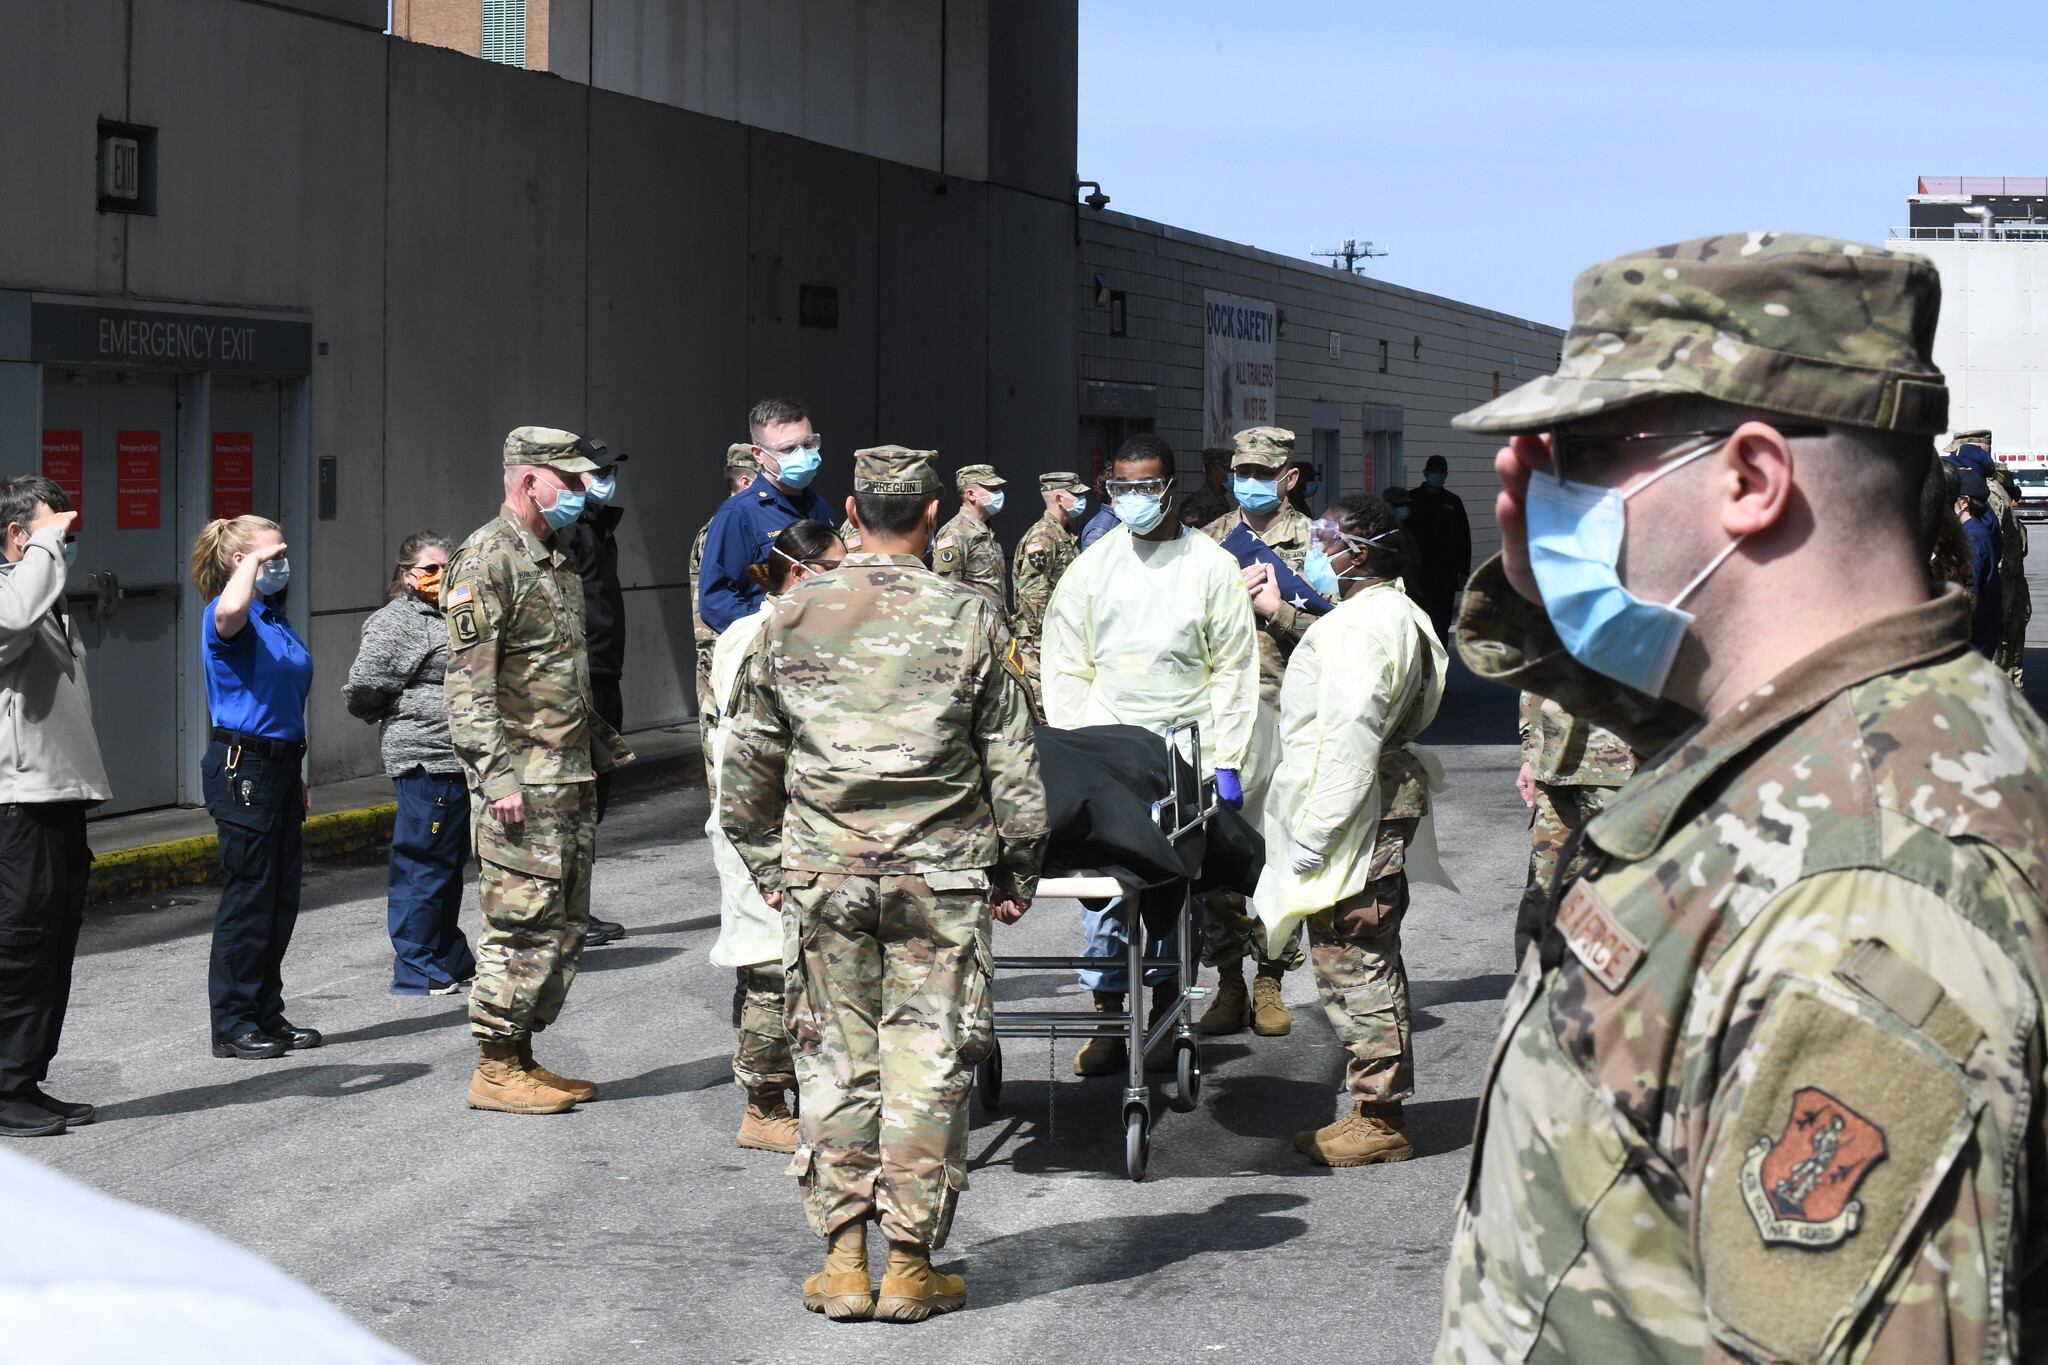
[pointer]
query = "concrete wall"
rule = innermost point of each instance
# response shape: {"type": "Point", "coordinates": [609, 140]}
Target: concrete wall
{"type": "Point", "coordinates": [1992, 340]}
{"type": "Point", "coordinates": [479, 247]}
{"type": "Point", "coordinates": [1443, 356]}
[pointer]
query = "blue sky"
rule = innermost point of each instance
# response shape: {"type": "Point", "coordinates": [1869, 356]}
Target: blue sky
{"type": "Point", "coordinates": [1498, 148]}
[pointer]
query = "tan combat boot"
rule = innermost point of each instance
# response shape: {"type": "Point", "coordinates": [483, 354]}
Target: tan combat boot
{"type": "Point", "coordinates": [1360, 1138]}
{"type": "Point", "coordinates": [842, 1291]}
{"type": "Point", "coordinates": [1159, 1056]}
{"type": "Point", "coordinates": [1270, 1015]}
{"type": "Point", "coordinates": [770, 1127]}
{"type": "Point", "coordinates": [503, 1086]}
{"type": "Point", "coordinates": [1102, 1055]}
{"type": "Point", "coordinates": [912, 1291]}
{"type": "Point", "coordinates": [1231, 1010]}
{"type": "Point", "coordinates": [577, 1090]}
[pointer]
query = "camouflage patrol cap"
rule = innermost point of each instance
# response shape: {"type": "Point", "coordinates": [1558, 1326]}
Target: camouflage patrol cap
{"type": "Point", "coordinates": [977, 476]}
{"type": "Point", "coordinates": [894, 469]}
{"type": "Point", "coordinates": [740, 456]}
{"type": "Point", "coordinates": [559, 450]}
{"type": "Point", "coordinates": [1061, 481]}
{"type": "Point", "coordinates": [1271, 447]}
{"type": "Point", "coordinates": [1806, 326]}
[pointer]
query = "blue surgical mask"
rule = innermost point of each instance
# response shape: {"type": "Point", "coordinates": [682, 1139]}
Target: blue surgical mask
{"type": "Point", "coordinates": [1575, 540]}
{"type": "Point", "coordinates": [1078, 511]}
{"type": "Point", "coordinates": [796, 468]}
{"type": "Point", "coordinates": [1142, 512]}
{"type": "Point", "coordinates": [1401, 512]}
{"type": "Point", "coordinates": [1318, 573]}
{"type": "Point", "coordinates": [1257, 496]}
{"type": "Point", "coordinates": [599, 492]}
{"type": "Point", "coordinates": [568, 506]}
{"type": "Point", "coordinates": [70, 555]}
{"type": "Point", "coordinates": [273, 575]}
{"type": "Point", "coordinates": [1434, 479]}
{"type": "Point", "coordinates": [995, 502]}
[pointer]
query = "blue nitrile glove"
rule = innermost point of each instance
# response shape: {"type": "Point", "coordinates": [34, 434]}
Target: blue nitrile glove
{"type": "Point", "coordinates": [1228, 787]}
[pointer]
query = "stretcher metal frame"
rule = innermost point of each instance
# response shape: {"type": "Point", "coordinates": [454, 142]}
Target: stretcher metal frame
{"type": "Point", "coordinates": [1177, 814]}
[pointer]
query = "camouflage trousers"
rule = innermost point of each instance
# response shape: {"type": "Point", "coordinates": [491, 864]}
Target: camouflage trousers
{"type": "Point", "coordinates": [535, 888]}
{"type": "Point", "coordinates": [889, 1008]}
{"type": "Point", "coordinates": [1558, 812]}
{"type": "Point", "coordinates": [762, 1061]}
{"type": "Point", "coordinates": [1356, 948]}
{"type": "Point", "coordinates": [1231, 933]}
{"type": "Point", "coordinates": [706, 704]}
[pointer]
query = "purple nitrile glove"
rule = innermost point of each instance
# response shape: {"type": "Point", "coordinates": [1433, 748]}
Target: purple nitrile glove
{"type": "Point", "coordinates": [1229, 788]}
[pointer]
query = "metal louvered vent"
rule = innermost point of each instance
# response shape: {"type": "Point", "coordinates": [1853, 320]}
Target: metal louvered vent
{"type": "Point", "coordinates": [505, 32]}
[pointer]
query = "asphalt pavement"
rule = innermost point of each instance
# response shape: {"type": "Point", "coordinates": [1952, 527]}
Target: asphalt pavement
{"type": "Point", "coordinates": [634, 1228]}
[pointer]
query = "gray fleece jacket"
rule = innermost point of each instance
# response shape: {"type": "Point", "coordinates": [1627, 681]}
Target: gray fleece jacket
{"type": "Point", "coordinates": [396, 681]}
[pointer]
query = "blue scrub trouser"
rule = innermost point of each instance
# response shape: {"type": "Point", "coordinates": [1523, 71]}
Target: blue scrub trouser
{"type": "Point", "coordinates": [1106, 936]}
{"type": "Point", "coordinates": [429, 849]}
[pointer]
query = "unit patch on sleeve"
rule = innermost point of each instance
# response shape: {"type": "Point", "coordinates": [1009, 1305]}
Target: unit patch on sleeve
{"type": "Point", "coordinates": [1800, 1186]}
{"type": "Point", "coordinates": [462, 614]}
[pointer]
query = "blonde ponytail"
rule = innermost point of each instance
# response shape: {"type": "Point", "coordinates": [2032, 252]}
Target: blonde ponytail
{"type": "Point", "coordinates": [213, 554]}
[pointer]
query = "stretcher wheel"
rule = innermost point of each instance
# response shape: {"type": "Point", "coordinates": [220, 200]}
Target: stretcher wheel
{"type": "Point", "coordinates": [1137, 1142]}
{"type": "Point", "coordinates": [1187, 1074]}
{"type": "Point", "coordinates": [989, 1079]}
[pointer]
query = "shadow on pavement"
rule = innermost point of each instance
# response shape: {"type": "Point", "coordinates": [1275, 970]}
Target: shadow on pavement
{"type": "Point", "coordinates": [1438, 1126]}
{"type": "Point", "coordinates": [278, 1080]}
{"type": "Point", "coordinates": [1473, 711]}
{"type": "Point", "coordinates": [1463, 990]}
{"type": "Point", "coordinates": [402, 1027]}
{"type": "Point", "coordinates": [705, 1073]}
{"type": "Point", "coordinates": [612, 956]}
{"type": "Point", "coordinates": [2037, 679]}
{"type": "Point", "coordinates": [1102, 1251]}
{"type": "Point", "coordinates": [681, 926]}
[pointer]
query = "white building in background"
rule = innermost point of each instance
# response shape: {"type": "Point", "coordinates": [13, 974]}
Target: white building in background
{"type": "Point", "coordinates": [1988, 235]}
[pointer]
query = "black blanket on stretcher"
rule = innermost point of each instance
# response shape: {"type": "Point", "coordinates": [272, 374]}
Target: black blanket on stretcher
{"type": "Point", "coordinates": [1100, 783]}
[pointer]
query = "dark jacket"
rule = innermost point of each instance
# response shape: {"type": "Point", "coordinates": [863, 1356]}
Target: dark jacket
{"type": "Point", "coordinates": [590, 542]}
{"type": "Point", "coordinates": [1443, 536]}
{"type": "Point", "coordinates": [1987, 594]}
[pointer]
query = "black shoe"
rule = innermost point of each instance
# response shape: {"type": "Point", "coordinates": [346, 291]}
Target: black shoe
{"type": "Point", "coordinates": [23, 1117]}
{"type": "Point", "coordinates": [251, 1045]}
{"type": "Point", "coordinates": [295, 1038]}
{"type": "Point", "coordinates": [602, 931]}
{"type": "Point", "coordinates": [71, 1112]}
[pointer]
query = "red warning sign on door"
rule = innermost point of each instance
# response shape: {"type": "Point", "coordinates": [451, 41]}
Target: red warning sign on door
{"type": "Point", "coordinates": [138, 480]}
{"type": "Point", "coordinates": [64, 464]}
{"type": "Point", "coordinates": [234, 473]}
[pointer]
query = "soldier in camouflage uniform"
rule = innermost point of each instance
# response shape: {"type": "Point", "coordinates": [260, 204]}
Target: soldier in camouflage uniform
{"type": "Point", "coordinates": [881, 783]}
{"type": "Point", "coordinates": [740, 468]}
{"type": "Point", "coordinates": [965, 549]}
{"type": "Point", "coordinates": [1042, 556]}
{"type": "Point", "coordinates": [1212, 499]}
{"type": "Point", "coordinates": [531, 744]}
{"type": "Point", "coordinates": [1771, 1087]}
{"type": "Point", "coordinates": [1262, 481]}
{"type": "Point", "coordinates": [2002, 500]}
{"type": "Point", "coordinates": [1569, 769]}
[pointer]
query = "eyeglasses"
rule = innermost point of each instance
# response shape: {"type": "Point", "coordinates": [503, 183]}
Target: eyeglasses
{"type": "Point", "coordinates": [810, 442]}
{"type": "Point", "coordinates": [1117, 488]}
{"type": "Point", "coordinates": [1567, 446]}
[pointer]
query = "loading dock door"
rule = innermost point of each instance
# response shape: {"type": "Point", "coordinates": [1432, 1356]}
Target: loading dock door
{"type": "Point", "coordinates": [112, 441]}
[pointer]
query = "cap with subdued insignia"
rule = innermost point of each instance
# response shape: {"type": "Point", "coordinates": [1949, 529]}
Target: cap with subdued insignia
{"type": "Point", "coordinates": [1061, 481]}
{"type": "Point", "coordinates": [740, 456]}
{"type": "Point", "coordinates": [559, 450]}
{"type": "Point", "coordinates": [1271, 447]}
{"type": "Point", "coordinates": [976, 476]}
{"type": "Point", "coordinates": [1808, 326]}
{"type": "Point", "coordinates": [894, 469]}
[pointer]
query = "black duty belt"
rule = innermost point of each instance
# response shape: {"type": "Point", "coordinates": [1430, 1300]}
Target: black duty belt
{"type": "Point", "coordinates": [258, 745]}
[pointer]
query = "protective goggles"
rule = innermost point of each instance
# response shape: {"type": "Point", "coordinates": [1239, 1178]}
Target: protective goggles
{"type": "Point", "coordinates": [1117, 488]}
{"type": "Point", "coordinates": [812, 442]}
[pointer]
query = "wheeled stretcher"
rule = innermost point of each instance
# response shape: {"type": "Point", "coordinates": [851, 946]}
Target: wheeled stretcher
{"type": "Point", "coordinates": [1183, 812]}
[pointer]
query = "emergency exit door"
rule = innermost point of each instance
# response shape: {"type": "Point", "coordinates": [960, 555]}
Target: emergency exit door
{"type": "Point", "coordinates": [111, 442]}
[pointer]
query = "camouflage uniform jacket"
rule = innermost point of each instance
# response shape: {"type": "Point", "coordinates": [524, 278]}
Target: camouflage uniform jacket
{"type": "Point", "coordinates": [1042, 556]}
{"type": "Point", "coordinates": [1772, 1088]}
{"type": "Point", "coordinates": [879, 731]}
{"type": "Point", "coordinates": [1279, 633]}
{"type": "Point", "coordinates": [1205, 505]}
{"type": "Point", "coordinates": [966, 550]}
{"type": "Point", "coordinates": [518, 684]}
{"type": "Point", "coordinates": [705, 636]}
{"type": "Point", "coordinates": [849, 535]}
{"type": "Point", "coordinates": [1564, 751]}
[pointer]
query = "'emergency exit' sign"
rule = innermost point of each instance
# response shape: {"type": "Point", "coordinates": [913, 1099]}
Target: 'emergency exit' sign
{"type": "Point", "coordinates": [138, 480]}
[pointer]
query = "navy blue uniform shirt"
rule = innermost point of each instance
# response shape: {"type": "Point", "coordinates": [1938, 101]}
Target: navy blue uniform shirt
{"type": "Point", "coordinates": [257, 682]}
{"type": "Point", "coordinates": [745, 526]}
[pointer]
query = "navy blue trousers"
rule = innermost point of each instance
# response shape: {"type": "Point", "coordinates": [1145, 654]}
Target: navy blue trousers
{"type": "Point", "coordinates": [260, 812]}
{"type": "Point", "coordinates": [429, 849]}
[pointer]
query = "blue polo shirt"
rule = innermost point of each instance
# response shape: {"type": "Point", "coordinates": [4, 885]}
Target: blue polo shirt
{"type": "Point", "coordinates": [745, 525]}
{"type": "Point", "coordinates": [1101, 524]}
{"type": "Point", "coordinates": [257, 682]}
